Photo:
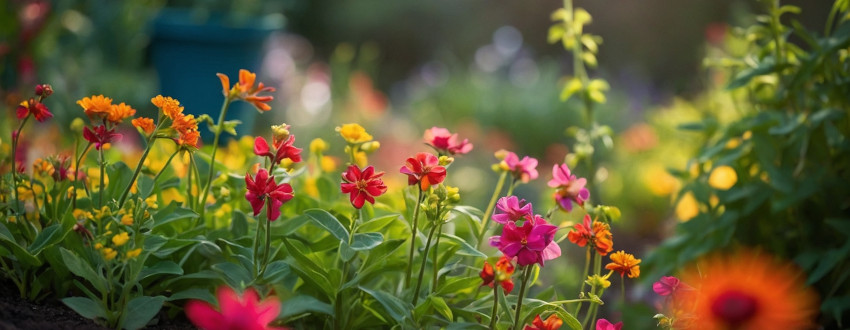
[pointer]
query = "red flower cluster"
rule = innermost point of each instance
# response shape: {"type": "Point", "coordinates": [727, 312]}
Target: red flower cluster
{"type": "Point", "coordinates": [263, 187]}
{"type": "Point", "coordinates": [283, 148]}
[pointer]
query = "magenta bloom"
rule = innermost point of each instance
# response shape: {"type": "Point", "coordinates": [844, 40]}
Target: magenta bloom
{"type": "Point", "coordinates": [603, 324]}
{"type": "Point", "coordinates": [282, 149]}
{"type": "Point", "coordinates": [445, 142]}
{"type": "Point", "coordinates": [362, 185]}
{"type": "Point", "coordinates": [512, 209]}
{"type": "Point", "coordinates": [524, 170]}
{"type": "Point", "coordinates": [668, 285]}
{"type": "Point", "coordinates": [100, 136]}
{"type": "Point", "coordinates": [263, 187]}
{"type": "Point", "coordinates": [424, 169]}
{"type": "Point", "coordinates": [236, 312]}
{"type": "Point", "coordinates": [533, 243]}
{"type": "Point", "coordinates": [569, 188]}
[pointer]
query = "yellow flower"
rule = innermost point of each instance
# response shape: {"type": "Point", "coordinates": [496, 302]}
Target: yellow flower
{"type": "Point", "coordinates": [42, 167]}
{"type": "Point", "coordinates": [151, 201]}
{"type": "Point", "coordinates": [723, 177]}
{"type": "Point", "coordinates": [623, 263]}
{"type": "Point", "coordinates": [134, 253]}
{"type": "Point", "coordinates": [126, 220]}
{"type": "Point", "coordinates": [120, 239]}
{"type": "Point", "coordinates": [109, 253]}
{"type": "Point", "coordinates": [98, 246]}
{"type": "Point", "coordinates": [599, 280]}
{"type": "Point", "coordinates": [687, 208]}
{"type": "Point", "coordinates": [280, 132]}
{"type": "Point", "coordinates": [310, 187]}
{"type": "Point", "coordinates": [318, 145]}
{"type": "Point", "coordinates": [354, 133]}
{"type": "Point", "coordinates": [328, 164]}
{"type": "Point", "coordinates": [361, 159]}
{"type": "Point", "coordinates": [12, 219]}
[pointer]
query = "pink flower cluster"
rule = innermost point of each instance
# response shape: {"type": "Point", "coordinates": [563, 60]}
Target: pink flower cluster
{"type": "Point", "coordinates": [533, 242]}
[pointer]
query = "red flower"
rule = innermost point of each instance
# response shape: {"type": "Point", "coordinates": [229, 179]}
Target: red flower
{"type": "Point", "coordinates": [282, 149]}
{"type": "Point", "coordinates": [262, 187]}
{"type": "Point", "coordinates": [445, 142]}
{"type": "Point", "coordinates": [245, 312]}
{"type": "Point", "coordinates": [553, 322]}
{"type": "Point", "coordinates": [423, 169]}
{"type": "Point", "coordinates": [501, 275]}
{"type": "Point", "coordinates": [363, 186]}
{"type": "Point", "coordinates": [599, 236]}
{"type": "Point", "coordinates": [100, 136]}
{"type": "Point", "coordinates": [37, 109]}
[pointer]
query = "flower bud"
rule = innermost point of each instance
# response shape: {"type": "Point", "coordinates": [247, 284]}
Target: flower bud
{"type": "Point", "coordinates": [446, 160]}
{"type": "Point", "coordinates": [280, 132]}
{"type": "Point", "coordinates": [44, 90]}
{"type": "Point", "coordinates": [370, 146]}
{"type": "Point", "coordinates": [318, 145]}
{"type": "Point", "coordinates": [77, 125]}
{"type": "Point", "coordinates": [501, 154]}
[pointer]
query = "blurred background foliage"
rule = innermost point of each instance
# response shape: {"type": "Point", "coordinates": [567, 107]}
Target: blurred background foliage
{"type": "Point", "coordinates": [485, 70]}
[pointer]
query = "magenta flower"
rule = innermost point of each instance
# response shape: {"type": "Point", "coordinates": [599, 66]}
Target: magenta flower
{"type": "Point", "coordinates": [362, 185]}
{"type": "Point", "coordinates": [524, 170]}
{"type": "Point", "coordinates": [512, 209]}
{"type": "Point", "coordinates": [100, 136]}
{"type": "Point", "coordinates": [668, 285]}
{"type": "Point", "coordinates": [533, 243]}
{"type": "Point", "coordinates": [263, 187]}
{"type": "Point", "coordinates": [424, 169]}
{"type": "Point", "coordinates": [282, 149]}
{"type": "Point", "coordinates": [36, 108]}
{"type": "Point", "coordinates": [445, 142]}
{"type": "Point", "coordinates": [245, 312]}
{"type": "Point", "coordinates": [569, 188]}
{"type": "Point", "coordinates": [603, 324]}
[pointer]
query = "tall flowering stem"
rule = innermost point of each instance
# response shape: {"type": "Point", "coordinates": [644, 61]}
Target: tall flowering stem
{"type": "Point", "coordinates": [495, 312]}
{"type": "Point", "coordinates": [217, 135]}
{"type": "Point", "coordinates": [526, 275]}
{"type": "Point", "coordinates": [413, 230]}
{"type": "Point", "coordinates": [422, 267]}
{"type": "Point", "coordinates": [490, 206]}
{"type": "Point", "coordinates": [148, 147]}
{"type": "Point", "coordinates": [15, 137]}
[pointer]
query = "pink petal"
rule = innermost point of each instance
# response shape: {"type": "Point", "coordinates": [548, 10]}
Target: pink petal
{"type": "Point", "coordinates": [204, 316]}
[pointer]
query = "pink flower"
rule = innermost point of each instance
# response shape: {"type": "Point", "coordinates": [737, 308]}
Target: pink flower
{"type": "Point", "coordinates": [282, 149]}
{"type": "Point", "coordinates": [244, 312]}
{"type": "Point", "coordinates": [570, 189]}
{"type": "Point", "coordinates": [512, 209]}
{"type": "Point", "coordinates": [532, 243]}
{"type": "Point", "coordinates": [603, 324]}
{"type": "Point", "coordinates": [445, 142]}
{"type": "Point", "coordinates": [362, 185]}
{"type": "Point", "coordinates": [668, 285]}
{"type": "Point", "coordinates": [423, 169]}
{"type": "Point", "coordinates": [263, 187]}
{"type": "Point", "coordinates": [524, 170]}
{"type": "Point", "coordinates": [100, 136]}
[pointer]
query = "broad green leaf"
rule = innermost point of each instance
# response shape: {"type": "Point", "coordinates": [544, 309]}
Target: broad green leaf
{"type": "Point", "coordinates": [161, 268]}
{"type": "Point", "coordinates": [195, 294]}
{"type": "Point", "coordinates": [328, 222]}
{"type": "Point", "coordinates": [465, 248]}
{"type": "Point", "coordinates": [768, 65]}
{"type": "Point", "coordinates": [276, 270]}
{"type": "Point", "coordinates": [377, 224]}
{"type": "Point", "coordinates": [141, 310]}
{"type": "Point", "coordinates": [86, 307]}
{"type": "Point", "coordinates": [533, 307]}
{"type": "Point", "coordinates": [441, 307]}
{"type": "Point", "coordinates": [47, 237]}
{"type": "Point", "coordinates": [145, 185]}
{"type": "Point", "coordinates": [239, 224]}
{"type": "Point", "coordinates": [302, 304]}
{"type": "Point", "coordinates": [366, 241]}
{"type": "Point", "coordinates": [119, 179]}
{"type": "Point", "coordinates": [346, 253]}
{"type": "Point", "coordinates": [81, 268]}
{"type": "Point", "coordinates": [20, 253]}
{"type": "Point", "coordinates": [308, 270]}
{"type": "Point", "coordinates": [235, 275]}
{"type": "Point", "coordinates": [459, 284]}
{"type": "Point", "coordinates": [172, 212]}
{"type": "Point", "coordinates": [395, 307]}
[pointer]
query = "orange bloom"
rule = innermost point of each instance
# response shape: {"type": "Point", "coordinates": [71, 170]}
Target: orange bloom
{"type": "Point", "coordinates": [553, 322]}
{"type": "Point", "coordinates": [749, 290]}
{"type": "Point", "coordinates": [599, 236]}
{"type": "Point", "coordinates": [623, 263]}
{"type": "Point", "coordinates": [145, 124]}
{"type": "Point", "coordinates": [96, 106]}
{"type": "Point", "coordinates": [245, 90]}
{"type": "Point", "coordinates": [170, 107]}
{"type": "Point", "coordinates": [118, 112]}
{"type": "Point", "coordinates": [183, 123]}
{"type": "Point", "coordinates": [189, 139]}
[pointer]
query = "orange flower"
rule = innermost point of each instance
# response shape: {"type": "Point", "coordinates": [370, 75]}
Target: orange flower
{"type": "Point", "coordinates": [599, 235]}
{"type": "Point", "coordinates": [170, 107]}
{"type": "Point", "coordinates": [145, 124]}
{"type": "Point", "coordinates": [96, 106]}
{"type": "Point", "coordinates": [118, 112]}
{"type": "Point", "coordinates": [245, 90]}
{"type": "Point", "coordinates": [189, 139]}
{"type": "Point", "coordinates": [749, 290]}
{"type": "Point", "coordinates": [183, 123]}
{"type": "Point", "coordinates": [623, 263]}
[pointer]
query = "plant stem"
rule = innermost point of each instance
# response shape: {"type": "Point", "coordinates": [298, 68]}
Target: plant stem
{"type": "Point", "coordinates": [413, 230]}
{"type": "Point", "coordinates": [256, 251]}
{"type": "Point", "coordinates": [218, 130]}
{"type": "Point", "coordinates": [168, 162]}
{"type": "Point", "coordinates": [494, 313]}
{"type": "Point", "coordinates": [570, 301]}
{"type": "Point", "coordinates": [15, 138]}
{"type": "Point", "coordinates": [424, 262]}
{"type": "Point", "coordinates": [268, 242]}
{"type": "Point", "coordinates": [434, 258]}
{"type": "Point", "coordinates": [525, 275]}
{"type": "Point", "coordinates": [486, 219]}
{"type": "Point", "coordinates": [586, 270]}
{"type": "Point", "coordinates": [148, 147]}
{"type": "Point", "coordinates": [78, 160]}
{"type": "Point", "coordinates": [102, 169]}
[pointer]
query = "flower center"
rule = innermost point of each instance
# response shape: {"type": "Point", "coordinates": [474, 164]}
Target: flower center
{"type": "Point", "coordinates": [361, 184]}
{"type": "Point", "coordinates": [734, 307]}
{"type": "Point", "coordinates": [524, 241]}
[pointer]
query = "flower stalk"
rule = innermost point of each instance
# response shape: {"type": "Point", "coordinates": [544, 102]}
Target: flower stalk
{"type": "Point", "coordinates": [526, 274]}
{"type": "Point", "coordinates": [413, 231]}
{"type": "Point", "coordinates": [486, 220]}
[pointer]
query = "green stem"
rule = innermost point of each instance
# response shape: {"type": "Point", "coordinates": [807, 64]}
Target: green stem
{"type": "Point", "coordinates": [218, 131]}
{"type": "Point", "coordinates": [413, 230]}
{"type": "Point", "coordinates": [526, 274]}
{"type": "Point", "coordinates": [486, 219]}
{"type": "Point", "coordinates": [79, 160]}
{"type": "Point", "coordinates": [189, 200]}
{"type": "Point", "coordinates": [256, 250]}
{"type": "Point", "coordinates": [15, 138]}
{"type": "Point", "coordinates": [168, 162]}
{"type": "Point", "coordinates": [583, 283]}
{"type": "Point", "coordinates": [148, 147]}
{"type": "Point", "coordinates": [434, 258]}
{"type": "Point", "coordinates": [422, 268]}
{"type": "Point", "coordinates": [102, 169]}
{"type": "Point", "coordinates": [494, 313]}
{"type": "Point", "coordinates": [590, 311]}
{"type": "Point", "coordinates": [268, 242]}
{"type": "Point", "coordinates": [570, 301]}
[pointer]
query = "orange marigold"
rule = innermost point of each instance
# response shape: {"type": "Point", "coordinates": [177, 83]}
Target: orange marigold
{"type": "Point", "coordinates": [145, 124]}
{"type": "Point", "coordinates": [189, 139]}
{"type": "Point", "coordinates": [118, 112]}
{"type": "Point", "coordinates": [623, 263]}
{"type": "Point", "coordinates": [598, 235]}
{"type": "Point", "coordinates": [183, 123]}
{"type": "Point", "coordinates": [169, 106]}
{"type": "Point", "coordinates": [96, 106]}
{"type": "Point", "coordinates": [245, 90]}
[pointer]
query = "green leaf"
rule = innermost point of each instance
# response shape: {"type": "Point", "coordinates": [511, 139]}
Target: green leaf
{"type": "Point", "coordinates": [47, 237]}
{"type": "Point", "coordinates": [82, 269]}
{"type": "Point", "coordinates": [465, 248]}
{"type": "Point", "coordinates": [172, 212]}
{"type": "Point", "coordinates": [395, 307]}
{"type": "Point", "coordinates": [145, 185]}
{"type": "Point", "coordinates": [459, 284]}
{"type": "Point", "coordinates": [20, 253]}
{"type": "Point", "coordinates": [346, 253]}
{"type": "Point", "coordinates": [768, 65]}
{"type": "Point", "coordinates": [86, 307]}
{"type": "Point", "coordinates": [309, 271]}
{"type": "Point", "coordinates": [119, 178]}
{"type": "Point", "coordinates": [195, 294]}
{"type": "Point", "coordinates": [441, 307]}
{"type": "Point", "coordinates": [161, 268]}
{"type": "Point", "coordinates": [377, 224]}
{"type": "Point", "coordinates": [276, 271]}
{"type": "Point", "coordinates": [229, 126]}
{"type": "Point", "coordinates": [239, 224]}
{"type": "Point", "coordinates": [328, 222]}
{"type": "Point", "coordinates": [366, 241]}
{"type": "Point", "coordinates": [234, 274]}
{"type": "Point", "coordinates": [301, 304]}
{"type": "Point", "coordinates": [141, 310]}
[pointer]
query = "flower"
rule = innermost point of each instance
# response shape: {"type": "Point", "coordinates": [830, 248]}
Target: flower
{"type": "Point", "coordinates": [133, 253]}
{"type": "Point", "coordinates": [120, 239]}
{"type": "Point", "coordinates": [722, 177]}
{"type": "Point", "coordinates": [502, 274]}
{"type": "Point", "coordinates": [687, 208]}
{"type": "Point", "coordinates": [100, 136]}
{"type": "Point", "coordinates": [598, 235]}
{"type": "Point", "coordinates": [170, 107]}
{"type": "Point", "coordinates": [354, 133]}
{"type": "Point", "coordinates": [108, 253]}
{"type": "Point", "coordinates": [570, 189]}
{"type": "Point", "coordinates": [262, 187]}
{"type": "Point", "coordinates": [532, 243]}
{"type": "Point", "coordinates": [524, 170]}
{"type": "Point", "coordinates": [144, 124]}
{"type": "Point", "coordinates": [96, 106]}
{"type": "Point", "coordinates": [749, 290]}
{"type": "Point", "coordinates": [362, 185]}
{"type": "Point", "coordinates": [553, 322]}
{"type": "Point", "coordinates": [127, 220]}
{"type": "Point", "coordinates": [283, 149]}
{"type": "Point", "coordinates": [118, 112]}
{"type": "Point", "coordinates": [246, 91]}
{"type": "Point", "coordinates": [445, 142]}
{"type": "Point", "coordinates": [318, 146]}
{"type": "Point", "coordinates": [37, 109]}
{"type": "Point", "coordinates": [424, 170]}
{"type": "Point", "coordinates": [512, 209]}
{"type": "Point", "coordinates": [668, 285]}
{"type": "Point", "coordinates": [623, 263]}
{"type": "Point", "coordinates": [236, 311]}
{"type": "Point", "coordinates": [603, 324]}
